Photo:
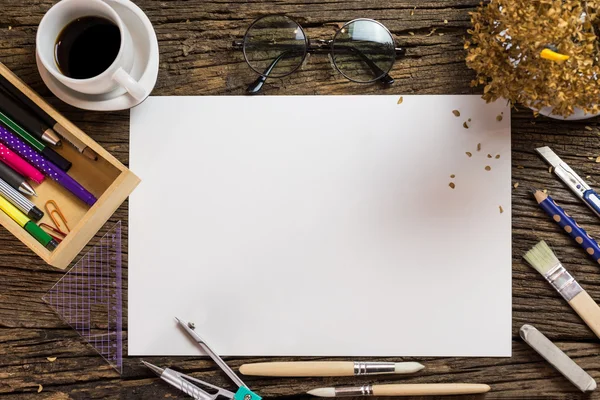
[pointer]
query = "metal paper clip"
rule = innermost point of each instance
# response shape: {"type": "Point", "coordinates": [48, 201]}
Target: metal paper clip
{"type": "Point", "coordinates": [54, 212]}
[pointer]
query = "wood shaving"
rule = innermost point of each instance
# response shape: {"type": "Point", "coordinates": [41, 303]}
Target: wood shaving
{"type": "Point", "coordinates": [400, 100]}
{"type": "Point", "coordinates": [411, 33]}
{"type": "Point", "coordinates": [478, 146]}
{"type": "Point", "coordinates": [499, 118]}
{"type": "Point", "coordinates": [40, 388]}
{"type": "Point", "coordinates": [445, 21]}
{"type": "Point", "coordinates": [440, 34]}
{"type": "Point", "coordinates": [516, 185]}
{"type": "Point", "coordinates": [465, 125]}
{"type": "Point", "coordinates": [588, 177]}
{"type": "Point", "coordinates": [501, 209]}
{"type": "Point", "coordinates": [452, 185]}
{"type": "Point", "coordinates": [489, 156]}
{"type": "Point", "coordinates": [520, 167]}
{"type": "Point", "coordinates": [488, 168]}
{"type": "Point", "coordinates": [588, 128]}
{"type": "Point", "coordinates": [452, 176]}
{"type": "Point", "coordinates": [456, 113]}
{"type": "Point", "coordinates": [51, 359]}
{"type": "Point", "coordinates": [545, 190]}
{"type": "Point", "coordinates": [591, 158]}
{"type": "Point", "coordinates": [468, 153]}
{"type": "Point", "coordinates": [550, 169]}
{"type": "Point", "coordinates": [497, 156]}
{"type": "Point", "coordinates": [412, 12]}
{"type": "Point", "coordinates": [431, 32]}
{"type": "Point", "coordinates": [598, 159]}
{"type": "Point", "coordinates": [10, 28]}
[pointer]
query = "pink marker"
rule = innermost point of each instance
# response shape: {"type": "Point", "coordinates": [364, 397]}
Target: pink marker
{"type": "Point", "coordinates": [19, 165]}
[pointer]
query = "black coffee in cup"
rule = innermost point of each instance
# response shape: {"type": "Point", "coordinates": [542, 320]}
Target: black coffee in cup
{"type": "Point", "coordinates": [86, 47]}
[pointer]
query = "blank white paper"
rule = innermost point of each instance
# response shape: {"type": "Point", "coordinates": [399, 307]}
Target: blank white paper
{"type": "Point", "coordinates": [321, 226]}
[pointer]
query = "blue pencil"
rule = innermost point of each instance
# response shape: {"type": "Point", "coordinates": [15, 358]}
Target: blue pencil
{"type": "Point", "coordinates": [565, 221]}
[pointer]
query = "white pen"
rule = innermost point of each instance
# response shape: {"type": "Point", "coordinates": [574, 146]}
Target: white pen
{"type": "Point", "coordinates": [571, 179]}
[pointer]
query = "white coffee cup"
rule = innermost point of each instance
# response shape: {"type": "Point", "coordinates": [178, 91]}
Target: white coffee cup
{"type": "Point", "coordinates": [115, 76]}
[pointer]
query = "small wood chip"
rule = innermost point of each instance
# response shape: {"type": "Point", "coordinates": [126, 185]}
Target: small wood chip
{"type": "Point", "coordinates": [497, 156]}
{"type": "Point", "coordinates": [445, 21]}
{"type": "Point", "coordinates": [452, 176]}
{"type": "Point", "coordinates": [456, 113]}
{"type": "Point", "coordinates": [588, 128]}
{"type": "Point", "coordinates": [468, 153]}
{"type": "Point", "coordinates": [516, 185]}
{"type": "Point", "coordinates": [598, 159]}
{"type": "Point", "coordinates": [40, 388]}
{"type": "Point", "coordinates": [412, 12]}
{"type": "Point", "coordinates": [550, 169]}
{"type": "Point", "coordinates": [431, 32]}
{"type": "Point", "coordinates": [452, 185]}
{"type": "Point", "coordinates": [489, 156]}
{"type": "Point", "coordinates": [545, 190]}
{"type": "Point", "coordinates": [411, 33]}
{"type": "Point", "coordinates": [400, 100]}
{"type": "Point", "coordinates": [478, 146]}
{"type": "Point", "coordinates": [499, 118]}
{"type": "Point", "coordinates": [501, 209]}
{"type": "Point", "coordinates": [591, 158]}
{"type": "Point", "coordinates": [441, 34]}
{"type": "Point", "coordinates": [588, 177]}
{"type": "Point", "coordinates": [488, 168]}
{"type": "Point", "coordinates": [465, 125]}
{"type": "Point", "coordinates": [520, 167]}
{"type": "Point", "coordinates": [51, 359]}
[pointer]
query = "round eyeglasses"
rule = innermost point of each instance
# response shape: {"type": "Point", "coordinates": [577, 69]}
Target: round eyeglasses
{"type": "Point", "coordinates": [362, 50]}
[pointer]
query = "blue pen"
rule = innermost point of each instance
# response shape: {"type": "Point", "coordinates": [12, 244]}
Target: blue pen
{"type": "Point", "coordinates": [565, 221]}
{"type": "Point", "coordinates": [571, 179]}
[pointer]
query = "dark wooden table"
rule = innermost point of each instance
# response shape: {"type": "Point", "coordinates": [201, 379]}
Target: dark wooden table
{"type": "Point", "coordinates": [196, 59]}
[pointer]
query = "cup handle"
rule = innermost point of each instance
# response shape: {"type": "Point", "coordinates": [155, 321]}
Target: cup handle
{"type": "Point", "coordinates": [131, 85]}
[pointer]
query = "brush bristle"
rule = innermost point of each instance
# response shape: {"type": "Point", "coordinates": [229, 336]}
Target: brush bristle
{"type": "Point", "coordinates": [541, 258]}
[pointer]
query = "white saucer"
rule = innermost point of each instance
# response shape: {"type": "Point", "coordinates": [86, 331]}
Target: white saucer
{"type": "Point", "coordinates": [138, 24]}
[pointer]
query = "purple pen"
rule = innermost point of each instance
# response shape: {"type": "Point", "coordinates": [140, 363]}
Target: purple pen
{"type": "Point", "coordinates": [47, 167]}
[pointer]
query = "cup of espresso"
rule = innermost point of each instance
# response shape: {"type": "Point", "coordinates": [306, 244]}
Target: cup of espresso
{"type": "Point", "coordinates": [86, 46]}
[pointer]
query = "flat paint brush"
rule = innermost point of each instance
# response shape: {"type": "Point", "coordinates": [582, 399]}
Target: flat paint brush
{"type": "Point", "coordinates": [543, 260]}
{"type": "Point", "coordinates": [415, 389]}
{"type": "Point", "coordinates": [328, 368]}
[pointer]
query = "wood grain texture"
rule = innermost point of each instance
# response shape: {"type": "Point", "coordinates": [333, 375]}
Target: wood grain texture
{"type": "Point", "coordinates": [196, 59]}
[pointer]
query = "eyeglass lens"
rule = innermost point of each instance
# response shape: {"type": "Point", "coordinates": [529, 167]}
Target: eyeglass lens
{"type": "Point", "coordinates": [363, 51]}
{"type": "Point", "coordinates": [275, 46]}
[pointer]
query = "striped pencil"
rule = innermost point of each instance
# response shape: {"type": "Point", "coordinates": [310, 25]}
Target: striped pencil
{"type": "Point", "coordinates": [20, 201]}
{"type": "Point", "coordinates": [47, 167]}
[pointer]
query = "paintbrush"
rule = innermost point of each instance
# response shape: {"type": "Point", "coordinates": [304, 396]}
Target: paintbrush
{"type": "Point", "coordinates": [407, 389]}
{"type": "Point", "coordinates": [546, 263]}
{"type": "Point", "coordinates": [329, 368]}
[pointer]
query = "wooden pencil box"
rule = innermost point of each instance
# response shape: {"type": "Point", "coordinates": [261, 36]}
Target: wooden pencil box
{"type": "Point", "coordinates": [107, 179]}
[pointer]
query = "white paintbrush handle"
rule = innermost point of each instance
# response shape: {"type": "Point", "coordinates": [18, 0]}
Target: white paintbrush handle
{"type": "Point", "coordinates": [429, 389]}
{"type": "Point", "coordinates": [588, 310]}
{"type": "Point", "coordinates": [299, 369]}
{"type": "Point", "coordinates": [328, 368]}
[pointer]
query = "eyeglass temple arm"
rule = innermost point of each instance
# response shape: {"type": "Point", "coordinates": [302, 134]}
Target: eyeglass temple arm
{"type": "Point", "coordinates": [257, 85]}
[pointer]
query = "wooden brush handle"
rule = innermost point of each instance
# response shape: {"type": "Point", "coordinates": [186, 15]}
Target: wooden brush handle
{"type": "Point", "coordinates": [429, 389]}
{"type": "Point", "coordinates": [299, 369]}
{"type": "Point", "coordinates": [588, 310]}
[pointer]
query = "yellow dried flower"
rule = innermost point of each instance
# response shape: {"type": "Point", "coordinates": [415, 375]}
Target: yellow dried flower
{"type": "Point", "coordinates": [504, 47]}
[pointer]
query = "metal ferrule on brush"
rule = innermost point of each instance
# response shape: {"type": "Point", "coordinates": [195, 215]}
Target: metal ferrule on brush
{"type": "Point", "coordinates": [563, 282]}
{"type": "Point", "coordinates": [371, 368]}
{"type": "Point", "coordinates": [365, 390]}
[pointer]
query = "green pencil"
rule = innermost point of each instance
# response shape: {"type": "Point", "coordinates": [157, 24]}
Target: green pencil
{"type": "Point", "coordinates": [46, 151]}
